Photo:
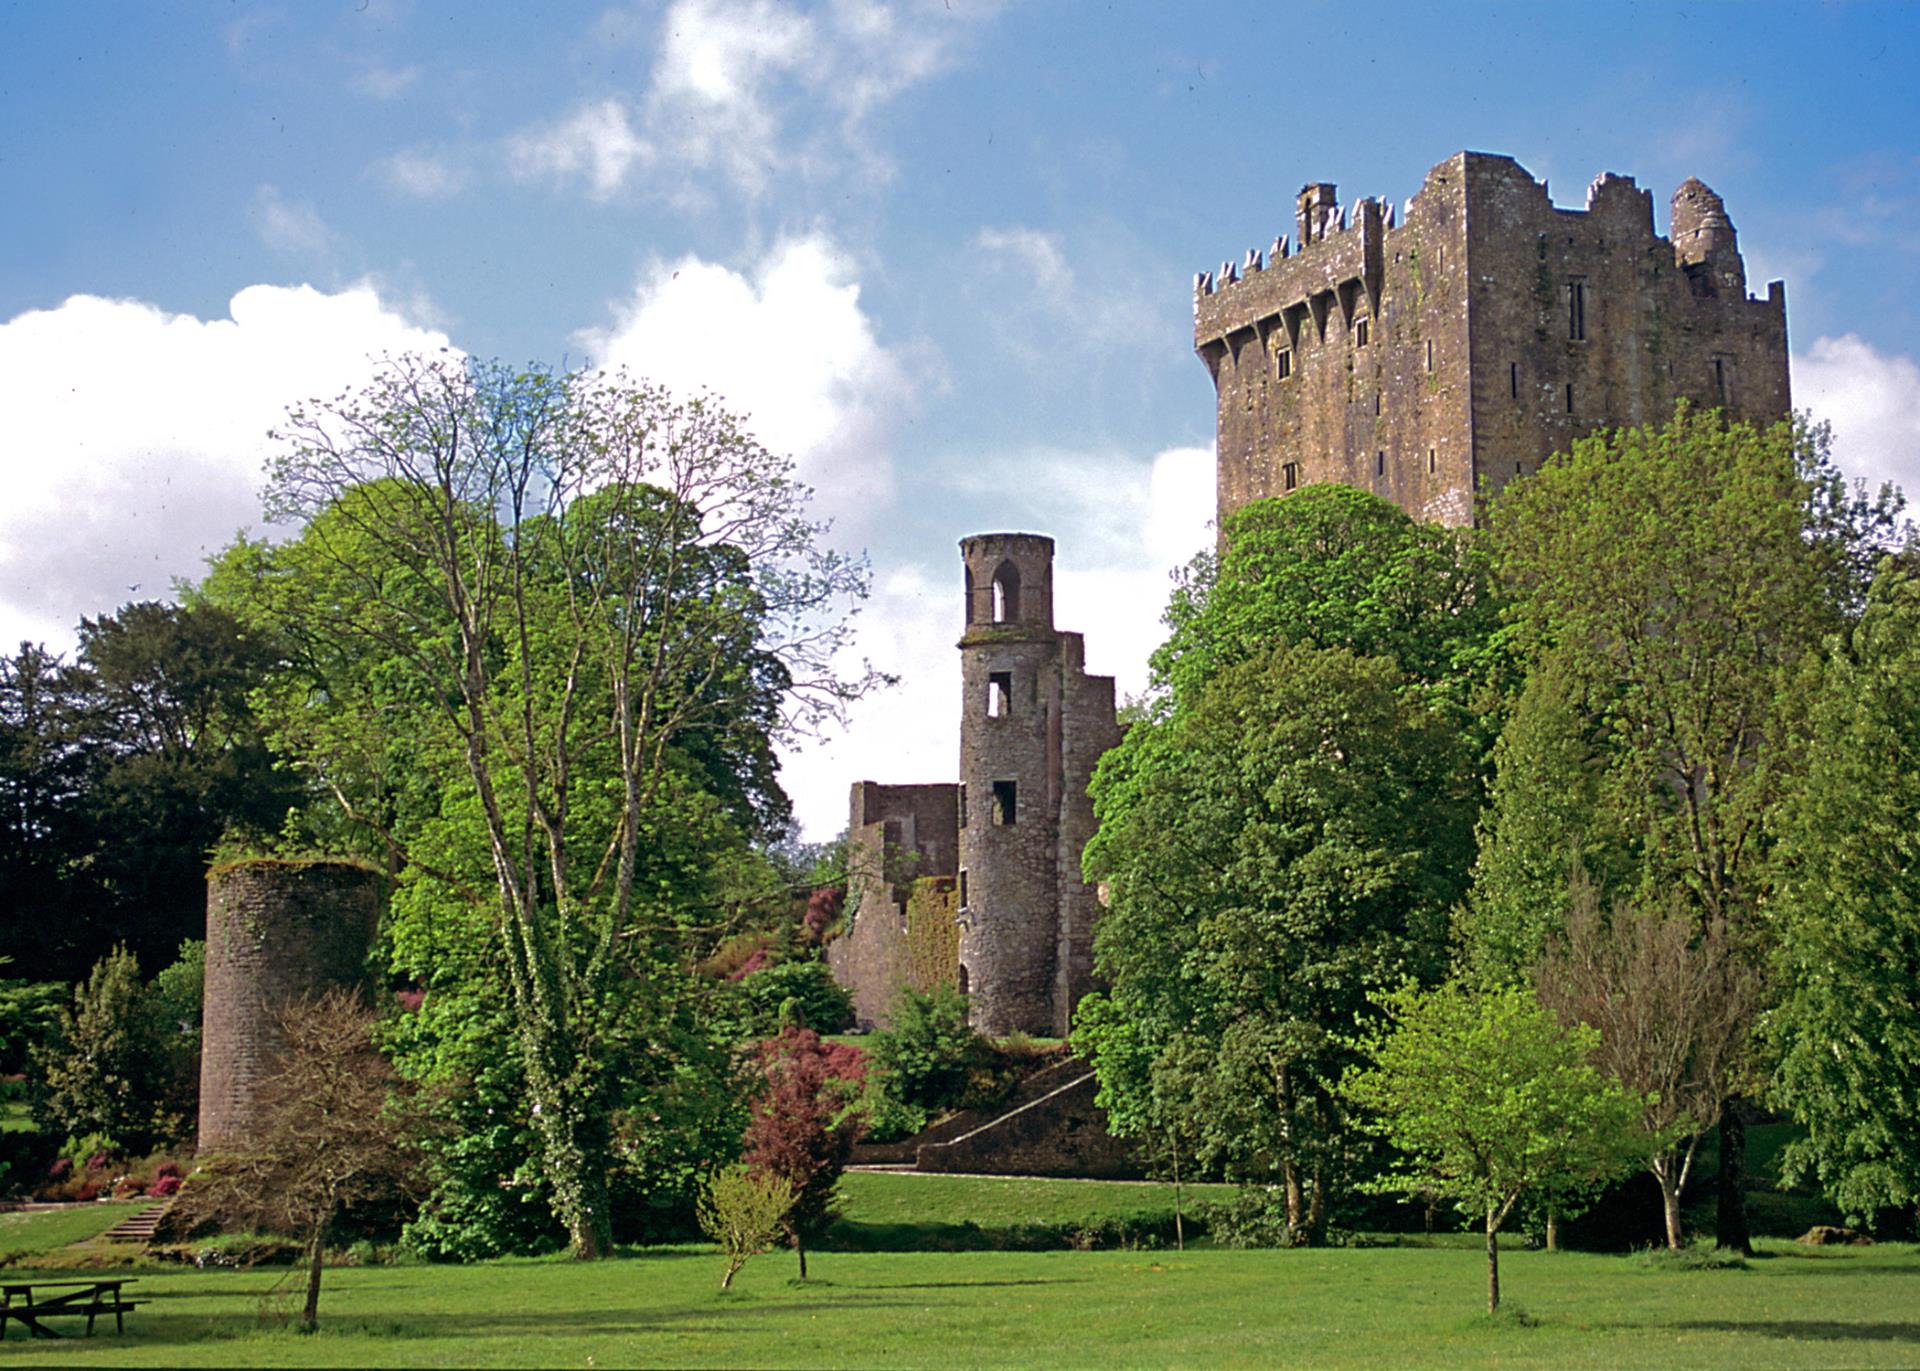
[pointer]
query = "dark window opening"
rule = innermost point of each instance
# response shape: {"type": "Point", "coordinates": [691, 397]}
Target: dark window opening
{"type": "Point", "coordinates": [1290, 475]}
{"type": "Point", "coordinates": [970, 604]}
{"type": "Point", "coordinates": [1282, 364]}
{"type": "Point", "coordinates": [1379, 464]}
{"type": "Point", "coordinates": [1376, 402]}
{"type": "Point", "coordinates": [963, 900]}
{"type": "Point", "coordinates": [1005, 802]}
{"type": "Point", "coordinates": [1569, 397]}
{"type": "Point", "coordinates": [963, 824]}
{"type": "Point", "coordinates": [1723, 380]}
{"type": "Point", "coordinates": [1519, 469]}
{"type": "Point", "coordinates": [1433, 460]}
{"type": "Point", "coordinates": [963, 978]}
{"type": "Point", "coordinates": [1429, 354]}
{"type": "Point", "coordinates": [999, 694]}
{"type": "Point", "coordinates": [1006, 593]}
{"type": "Point", "coordinates": [1513, 380]}
{"type": "Point", "coordinates": [1576, 310]}
{"type": "Point", "coordinates": [1360, 333]}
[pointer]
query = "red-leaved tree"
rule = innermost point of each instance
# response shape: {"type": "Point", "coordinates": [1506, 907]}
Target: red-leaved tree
{"type": "Point", "coordinates": [803, 1126]}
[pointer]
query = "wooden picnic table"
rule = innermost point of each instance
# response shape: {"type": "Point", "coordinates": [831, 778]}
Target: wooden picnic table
{"type": "Point", "coordinates": [19, 1301]}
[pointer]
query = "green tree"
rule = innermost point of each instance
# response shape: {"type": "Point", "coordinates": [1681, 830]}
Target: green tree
{"type": "Point", "coordinates": [590, 595]}
{"type": "Point", "coordinates": [1276, 853]}
{"type": "Point", "coordinates": [1331, 566]}
{"type": "Point", "coordinates": [100, 1071]}
{"type": "Point", "coordinates": [1667, 577]}
{"type": "Point", "coordinates": [1486, 1097]}
{"type": "Point", "coordinates": [1846, 914]}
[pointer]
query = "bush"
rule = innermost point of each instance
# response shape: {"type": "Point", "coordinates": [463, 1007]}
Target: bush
{"type": "Point", "coordinates": [928, 1057]}
{"type": "Point", "coordinates": [1255, 1217]}
{"type": "Point", "coordinates": [164, 1187]}
{"type": "Point", "coordinates": [823, 1003]}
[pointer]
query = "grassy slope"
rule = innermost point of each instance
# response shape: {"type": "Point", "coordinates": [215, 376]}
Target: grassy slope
{"type": "Point", "coordinates": [889, 1200]}
{"type": "Point", "coordinates": [1351, 1308]}
{"type": "Point", "coordinates": [23, 1233]}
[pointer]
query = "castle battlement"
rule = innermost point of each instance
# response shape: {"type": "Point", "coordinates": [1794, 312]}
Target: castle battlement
{"type": "Point", "coordinates": [1434, 354]}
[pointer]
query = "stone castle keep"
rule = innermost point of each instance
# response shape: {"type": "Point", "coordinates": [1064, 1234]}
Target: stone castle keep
{"type": "Point", "coordinates": [1430, 358]}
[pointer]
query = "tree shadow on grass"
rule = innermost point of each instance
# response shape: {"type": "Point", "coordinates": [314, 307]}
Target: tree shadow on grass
{"type": "Point", "coordinates": [1816, 1330]}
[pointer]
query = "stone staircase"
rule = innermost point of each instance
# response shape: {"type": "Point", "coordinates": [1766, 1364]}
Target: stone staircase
{"type": "Point", "coordinates": [136, 1227]}
{"type": "Point", "coordinates": [1049, 1127]}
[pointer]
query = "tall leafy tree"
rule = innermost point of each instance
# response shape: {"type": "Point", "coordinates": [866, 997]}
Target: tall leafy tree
{"type": "Point", "coordinates": [1277, 854]}
{"type": "Point", "coordinates": [1668, 576]}
{"type": "Point", "coordinates": [583, 588]}
{"type": "Point", "coordinates": [1846, 913]}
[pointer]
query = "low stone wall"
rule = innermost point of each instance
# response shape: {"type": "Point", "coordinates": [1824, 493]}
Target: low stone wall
{"type": "Point", "coordinates": [1063, 1133]}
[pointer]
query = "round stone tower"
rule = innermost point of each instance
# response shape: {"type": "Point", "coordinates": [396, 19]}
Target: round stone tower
{"type": "Point", "coordinates": [277, 931]}
{"type": "Point", "coordinates": [1009, 769]}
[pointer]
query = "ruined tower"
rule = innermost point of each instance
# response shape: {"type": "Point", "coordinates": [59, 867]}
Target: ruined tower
{"type": "Point", "coordinates": [277, 932]}
{"type": "Point", "coordinates": [999, 853]}
{"type": "Point", "coordinates": [1434, 355]}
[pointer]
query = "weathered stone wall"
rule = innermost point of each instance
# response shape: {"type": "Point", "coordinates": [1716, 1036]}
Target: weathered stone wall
{"type": "Point", "coordinates": [896, 834]}
{"type": "Point", "coordinates": [1063, 1133]}
{"type": "Point", "coordinates": [277, 932]}
{"type": "Point", "coordinates": [1434, 358]}
{"type": "Point", "coordinates": [1089, 729]}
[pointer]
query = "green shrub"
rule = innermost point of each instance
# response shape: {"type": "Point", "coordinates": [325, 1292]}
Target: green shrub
{"type": "Point", "coordinates": [821, 1002]}
{"type": "Point", "coordinates": [1255, 1217]}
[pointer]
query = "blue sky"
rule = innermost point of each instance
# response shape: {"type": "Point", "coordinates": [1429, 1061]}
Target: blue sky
{"type": "Point", "coordinates": [941, 251]}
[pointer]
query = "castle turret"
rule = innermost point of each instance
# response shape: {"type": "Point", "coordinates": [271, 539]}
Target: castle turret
{"type": "Point", "coordinates": [1009, 764]}
{"type": "Point", "coordinates": [1705, 243]}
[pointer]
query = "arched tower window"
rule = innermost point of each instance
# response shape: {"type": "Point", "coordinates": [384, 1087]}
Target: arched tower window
{"type": "Point", "coordinates": [1006, 593]}
{"type": "Point", "coordinates": [971, 609]}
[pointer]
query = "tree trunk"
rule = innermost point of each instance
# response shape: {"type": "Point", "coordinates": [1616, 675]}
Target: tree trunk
{"type": "Point", "coordinates": [1317, 1212]}
{"type": "Point", "coordinates": [1296, 1202]}
{"type": "Point", "coordinates": [574, 1151]}
{"type": "Point", "coordinates": [316, 1248]}
{"type": "Point", "coordinates": [1493, 1262]}
{"type": "Point", "coordinates": [800, 1251]}
{"type": "Point", "coordinates": [1553, 1231]}
{"type": "Point", "coordinates": [1179, 1225]}
{"type": "Point", "coordinates": [726, 1281]}
{"type": "Point", "coordinates": [1730, 1221]}
{"type": "Point", "coordinates": [1670, 1207]}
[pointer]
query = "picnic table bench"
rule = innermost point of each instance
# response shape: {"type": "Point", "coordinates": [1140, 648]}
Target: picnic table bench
{"type": "Point", "coordinates": [31, 1301]}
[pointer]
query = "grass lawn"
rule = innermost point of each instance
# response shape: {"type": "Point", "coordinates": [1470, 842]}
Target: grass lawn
{"type": "Point", "coordinates": [1341, 1308]}
{"type": "Point", "coordinates": [896, 1211]}
{"type": "Point", "coordinates": [49, 1228]}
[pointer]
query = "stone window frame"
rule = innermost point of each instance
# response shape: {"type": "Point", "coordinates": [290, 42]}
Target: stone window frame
{"type": "Point", "coordinates": [1006, 804]}
{"type": "Point", "coordinates": [1290, 475]}
{"type": "Point", "coordinates": [1362, 330]}
{"type": "Point", "coordinates": [1282, 364]}
{"type": "Point", "coordinates": [1576, 298]}
{"type": "Point", "coordinates": [999, 694]}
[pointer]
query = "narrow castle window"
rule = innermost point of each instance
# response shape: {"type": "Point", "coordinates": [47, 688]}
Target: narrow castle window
{"type": "Point", "coordinates": [1006, 593]}
{"type": "Point", "coordinates": [1519, 469]}
{"type": "Point", "coordinates": [1283, 364]}
{"type": "Point", "coordinates": [1433, 460]}
{"type": "Point", "coordinates": [1723, 380]}
{"type": "Point", "coordinates": [1290, 475]}
{"type": "Point", "coordinates": [1577, 310]}
{"type": "Point", "coordinates": [1380, 464]}
{"type": "Point", "coordinates": [963, 824]}
{"type": "Point", "coordinates": [1376, 402]}
{"type": "Point", "coordinates": [999, 694]}
{"type": "Point", "coordinates": [1005, 802]}
{"type": "Point", "coordinates": [1429, 354]}
{"type": "Point", "coordinates": [1360, 333]}
{"type": "Point", "coordinates": [1513, 380]}
{"type": "Point", "coordinates": [1569, 397]}
{"type": "Point", "coordinates": [963, 899]}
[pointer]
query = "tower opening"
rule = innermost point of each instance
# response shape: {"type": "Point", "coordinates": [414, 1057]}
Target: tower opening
{"type": "Point", "coordinates": [1006, 593]}
{"type": "Point", "coordinates": [999, 694]}
{"type": "Point", "coordinates": [1005, 802]}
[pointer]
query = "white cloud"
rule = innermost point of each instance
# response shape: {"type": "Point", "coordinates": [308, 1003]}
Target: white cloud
{"type": "Point", "coordinates": [1120, 529]}
{"type": "Point", "coordinates": [291, 226]}
{"type": "Point", "coordinates": [788, 346]}
{"type": "Point", "coordinates": [378, 82]}
{"type": "Point", "coordinates": [597, 142]}
{"type": "Point", "coordinates": [746, 90]}
{"type": "Point", "coordinates": [423, 175]}
{"type": "Point", "coordinates": [1039, 254]}
{"type": "Point", "coordinates": [136, 436]}
{"type": "Point", "coordinates": [1872, 399]}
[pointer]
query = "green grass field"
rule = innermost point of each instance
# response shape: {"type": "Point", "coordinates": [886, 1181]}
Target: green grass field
{"type": "Point", "coordinates": [1419, 1304]}
{"type": "Point", "coordinates": [1342, 1308]}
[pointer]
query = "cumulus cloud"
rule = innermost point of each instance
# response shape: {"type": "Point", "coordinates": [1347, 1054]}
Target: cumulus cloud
{"type": "Point", "coordinates": [422, 174]}
{"type": "Point", "coordinates": [788, 345]}
{"type": "Point", "coordinates": [1872, 399]}
{"type": "Point", "coordinates": [291, 226]}
{"type": "Point", "coordinates": [1121, 527]}
{"type": "Point", "coordinates": [1038, 254]}
{"type": "Point", "coordinates": [138, 435]}
{"type": "Point", "coordinates": [743, 90]}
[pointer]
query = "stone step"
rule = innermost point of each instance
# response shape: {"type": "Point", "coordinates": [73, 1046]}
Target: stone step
{"type": "Point", "coordinates": [135, 1227]}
